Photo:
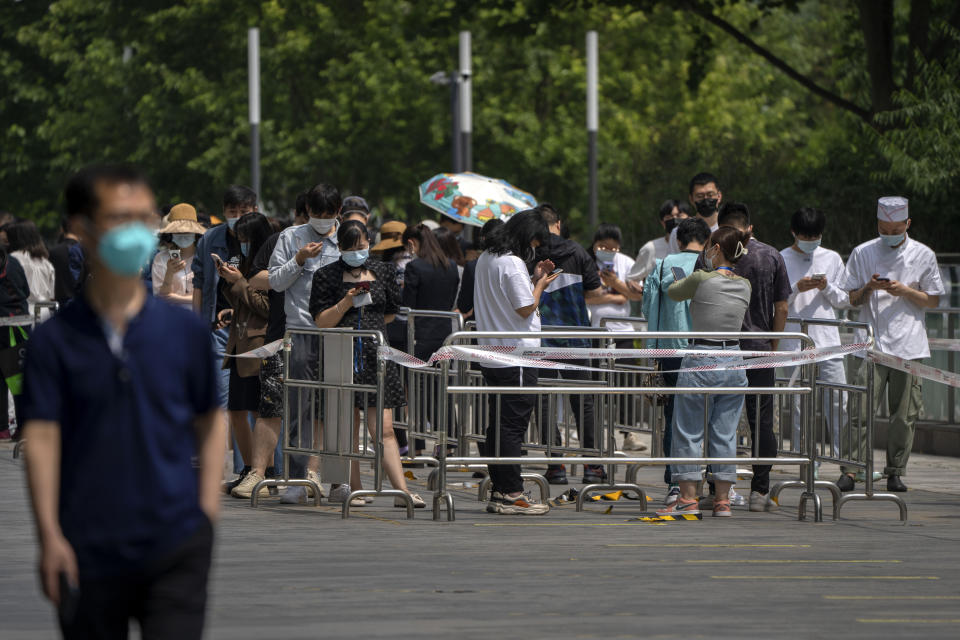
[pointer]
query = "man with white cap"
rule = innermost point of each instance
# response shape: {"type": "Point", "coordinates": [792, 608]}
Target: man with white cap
{"type": "Point", "coordinates": [893, 279]}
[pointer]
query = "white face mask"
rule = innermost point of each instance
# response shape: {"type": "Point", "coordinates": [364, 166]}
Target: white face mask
{"type": "Point", "coordinates": [322, 225]}
{"type": "Point", "coordinates": [183, 240]}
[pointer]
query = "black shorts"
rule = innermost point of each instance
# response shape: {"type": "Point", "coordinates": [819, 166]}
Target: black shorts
{"type": "Point", "coordinates": [271, 387]}
{"type": "Point", "coordinates": [244, 393]}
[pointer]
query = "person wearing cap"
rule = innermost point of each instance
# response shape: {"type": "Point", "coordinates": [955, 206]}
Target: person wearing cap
{"type": "Point", "coordinates": [169, 271]}
{"type": "Point", "coordinates": [893, 279]}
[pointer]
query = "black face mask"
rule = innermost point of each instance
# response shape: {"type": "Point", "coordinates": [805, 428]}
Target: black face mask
{"type": "Point", "coordinates": [670, 224]}
{"type": "Point", "coordinates": [707, 207]}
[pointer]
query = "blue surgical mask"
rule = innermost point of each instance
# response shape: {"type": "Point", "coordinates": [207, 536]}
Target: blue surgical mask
{"type": "Point", "coordinates": [245, 248]}
{"type": "Point", "coordinates": [232, 222]}
{"type": "Point", "coordinates": [355, 258]}
{"type": "Point", "coordinates": [127, 248]}
{"type": "Point", "coordinates": [808, 246]}
{"type": "Point", "coordinates": [606, 256]}
{"type": "Point", "coordinates": [183, 240]}
{"type": "Point", "coordinates": [892, 241]}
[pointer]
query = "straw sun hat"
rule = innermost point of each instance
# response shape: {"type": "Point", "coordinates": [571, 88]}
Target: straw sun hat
{"type": "Point", "coordinates": [183, 219]}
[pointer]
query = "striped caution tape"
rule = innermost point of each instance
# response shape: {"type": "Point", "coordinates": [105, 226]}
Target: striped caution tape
{"type": "Point", "coordinates": [669, 518]}
{"type": "Point", "coordinates": [944, 344]}
{"type": "Point", "coordinates": [17, 321]}
{"type": "Point", "coordinates": [915, 368]}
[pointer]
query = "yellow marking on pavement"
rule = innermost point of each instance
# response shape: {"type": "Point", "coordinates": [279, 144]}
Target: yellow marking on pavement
{"type": "Point", "coordinates": [909, 620]}
{"type": "Point", "coordinates": [677, 545]}
{"type": "Point", "coordinates": [825, 577]}
{"type": "Point", "coordinates": [793, 561]}
{"type": "Point", "coordinates": [559, 524]}
{"type": "Point", "coordinates": [892, 597]}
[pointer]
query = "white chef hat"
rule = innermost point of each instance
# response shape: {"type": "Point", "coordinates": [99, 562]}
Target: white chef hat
{"type": "Point", "coordinates": [892, 209]}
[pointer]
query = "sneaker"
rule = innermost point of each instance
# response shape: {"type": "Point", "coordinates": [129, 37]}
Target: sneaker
{"type": "Point", "coordinates": [862, 476]}
{"type": "Point", "coordinates": [633, 442]}
{"type": "Point", "coordinates": [672, 495]}
{"type": "Point", "coordinates": [721, 509]}
{"type": "Point", "coordinates": [680, 507]}
{"type": "Point", "coordinates": [556, 474]}
{"type": "Point", "coordinates": [496, 501]}
{"type": "Point", "coordinates": [294, 495]}
{"type": "Point", "coordinates": [418, 502]}
{"type": "Point", "coordinates": [594, 474]}
{"type": "Point", "coordinates": [762, 502]}
{"type": "Point", "coordinates": [340, 494]}
{"type": "Point", "coordinates": [845, 483]}
{"type": "Point", "coordinates": [522, 504]}
{"type": "Point", "coordinates": [315, 477]}
{"type": "Point", "coordinates": [229, 486]}
{"type": "Point", "coordinates": [245, 488]}
{"type": "Point", "coordinates": [736, 500]}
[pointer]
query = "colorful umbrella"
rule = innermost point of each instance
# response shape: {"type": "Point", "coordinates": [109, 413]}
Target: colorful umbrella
{"type": "Point", "coordinates": [473, 199]}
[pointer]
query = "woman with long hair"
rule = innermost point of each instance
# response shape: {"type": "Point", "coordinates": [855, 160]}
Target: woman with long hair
{"type": "Point", "coordinates": [248, 329]}
{"type": "Point", "coordinates": [27, 247]}
{"type": "Point", "coordinates": [506, 298]}
{"type": "Point", "coordinates": [358, 293]}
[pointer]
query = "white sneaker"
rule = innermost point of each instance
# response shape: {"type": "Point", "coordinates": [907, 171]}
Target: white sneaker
{"type": "Point", "coordinates": [418, 502]}
{"type": "Point", "coordinates": [245, 488]}
{"type": "Point", "coordinates": [760, 502]}
{"type": "Point", "coordinates": [315, 477]}
{"type": "Point", "coordinates": [672, 495]}
{"type": "Point", "coordinates": [632, 442]}
{"type": "Point", "coordinates": [737, 500]}
{"type": "Point", "coordinates": [294, 495]}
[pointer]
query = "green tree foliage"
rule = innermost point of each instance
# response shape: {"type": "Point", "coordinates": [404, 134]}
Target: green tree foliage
{"type": "Point", "coordinates": [347, 99]}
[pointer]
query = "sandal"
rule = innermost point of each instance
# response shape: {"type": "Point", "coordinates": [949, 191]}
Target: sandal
{"type": "Point", "coordinates": [721, 509]}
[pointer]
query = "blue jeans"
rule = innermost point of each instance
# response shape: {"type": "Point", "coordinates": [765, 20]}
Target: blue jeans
{"type": "Point", "coordinates": [722, 418]}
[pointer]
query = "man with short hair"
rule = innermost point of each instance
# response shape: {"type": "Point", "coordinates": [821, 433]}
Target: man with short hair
{"type": "Point", "coordinates": [770, 290]}
{"type": "Point", "coordinates": [563, 303]}
{"type": "Point", "coordinates": [299, 253]}
{"type": "Point", "coordinates": [893, 279]}
{"type": "Point", "coordinates": [816, 278]}
{"type": "Point", "coordinates": [121, 381]}
{"type": "Point", "coordinates": [705, 197]}
{"type": "Point", "coordinates": [670, 214]}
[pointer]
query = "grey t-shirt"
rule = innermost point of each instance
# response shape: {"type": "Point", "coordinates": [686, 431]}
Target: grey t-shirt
{"type": "Point", "coordinates": [718, 302]}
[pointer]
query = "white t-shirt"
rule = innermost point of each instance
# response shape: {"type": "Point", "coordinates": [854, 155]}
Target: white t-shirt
{"type": "Point", "coordinates": [40, 278]}
{"type": "Point", "coordinates": [621, 266]}
{"type": "Point", "coordinates": [675, 244]}
{"type": "Point", "coordinates": [501, 287]}
{"type": "Point", "coordinates": [898, 324]}
{"type": "Point", "coordinates": [815, 303]}
{"type": "Point", "coordinates": [656, 249]}
{"type": "Point", "coordinates": [181, 284]}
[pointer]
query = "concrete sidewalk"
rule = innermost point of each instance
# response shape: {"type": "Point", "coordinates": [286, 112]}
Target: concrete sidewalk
{"type": "Point", "coordinates": [301, 572]}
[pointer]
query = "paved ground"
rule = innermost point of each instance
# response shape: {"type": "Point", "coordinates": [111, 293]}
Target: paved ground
{"type": "Point", "coordinates": [302, 572]}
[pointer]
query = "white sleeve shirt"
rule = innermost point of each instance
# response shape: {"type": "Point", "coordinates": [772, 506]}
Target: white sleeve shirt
{"type": "Point", "coordinates": [899, 326]}
{"type": "Point", "coordinates": [815, 303]}
{"type": "Point", "coordinates": [503, 285]}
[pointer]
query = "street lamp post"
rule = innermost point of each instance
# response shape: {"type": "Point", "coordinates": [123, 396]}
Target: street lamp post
{"type": "Point", "coordinates": [592, 124]}
{"type": "Point", "coordinates": [253, 77]}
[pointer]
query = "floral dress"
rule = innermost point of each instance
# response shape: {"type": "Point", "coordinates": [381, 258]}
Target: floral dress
{"type": "Point", "coordinates": [329, 288]}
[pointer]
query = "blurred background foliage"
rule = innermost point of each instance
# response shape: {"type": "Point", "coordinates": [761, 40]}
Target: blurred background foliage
{"type": "Point", "coordinates": [791, 103]}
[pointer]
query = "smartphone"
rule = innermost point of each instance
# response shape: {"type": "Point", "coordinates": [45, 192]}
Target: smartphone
{"type": "Point", "coordinates": [175, 254]}
{"type": "Point", "coordinates": [556, 271]}
{"type": "Point", "coordinates": [217, 260]}
{"type": "Point", "coordinates": [606, 266]}
{"type": "Point", "coordinates": [678, 273]}
{"type": "Point", "coordinates": [883, 279]}
{"type": "Point", "coordinates": [818, 276]}
{"type": "Point", "coordinates": [363, 286]}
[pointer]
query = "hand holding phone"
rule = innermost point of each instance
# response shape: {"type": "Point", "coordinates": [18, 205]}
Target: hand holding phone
{"type": "Point", "coordinates": [217, 260]}
{"type": "Point", "coordinates": [678, 273]}
{"type": "Point", "coordinates": [818, 276]}
{"type": "Point", "coordinates": [556, 272]}
{"type": "Point", "coordinates": [174, 254]}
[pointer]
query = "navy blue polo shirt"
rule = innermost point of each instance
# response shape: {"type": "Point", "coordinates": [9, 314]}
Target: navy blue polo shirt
{"type": "Point", "coordinates": [128, 486]}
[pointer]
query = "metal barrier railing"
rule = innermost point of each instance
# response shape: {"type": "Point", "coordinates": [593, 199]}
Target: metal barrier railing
{"type": "Point", "coordinates": [843, 412]}
{"type": "Point", "coordinates": [606, 387]}
{"type": "Point", "coordinates": [30, 321]}
{"type": "Point", "coordinates": [336, 360]}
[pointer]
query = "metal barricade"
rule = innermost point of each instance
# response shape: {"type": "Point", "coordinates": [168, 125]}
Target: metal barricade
{"type": "Point", "coordinates": [843, 415]}
{"type": "Point", "coordinates": [605, 387]}
{"type": "Point", "coordinates": [29, 321]}
{"type": "Point", "coordinates": [335, 368]}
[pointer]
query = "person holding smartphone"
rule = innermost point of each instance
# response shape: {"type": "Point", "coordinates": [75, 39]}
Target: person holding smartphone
{"type": "Point", "coordinates": [171, 281]}
{"type": "Point", "coordinates": [816, 278]}
{"type": "Point", "coordinates": [358, 293]}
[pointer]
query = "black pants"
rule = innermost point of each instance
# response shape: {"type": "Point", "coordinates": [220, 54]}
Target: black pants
{"type": "Point", "coordinates": [510, 426]}
{"type": "Point", "coordinates": [669, 364]}
{"type": "Point", "coordinates": [762, 430]}
{"type": "Point", "coordinates": [167, 598]}
{"type": "Point", "coordinates": [548, 419]}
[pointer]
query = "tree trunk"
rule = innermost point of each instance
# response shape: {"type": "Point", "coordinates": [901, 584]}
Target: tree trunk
{"type": "Point", "coordinates": [876, 22]}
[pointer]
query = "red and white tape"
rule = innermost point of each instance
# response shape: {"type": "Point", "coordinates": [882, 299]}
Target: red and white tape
{"type": "Point", "coordinates": [916, 368]}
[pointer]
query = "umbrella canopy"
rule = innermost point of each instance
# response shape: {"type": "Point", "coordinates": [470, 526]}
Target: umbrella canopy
{"type": "Point", "coordinates": [473, 199]}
